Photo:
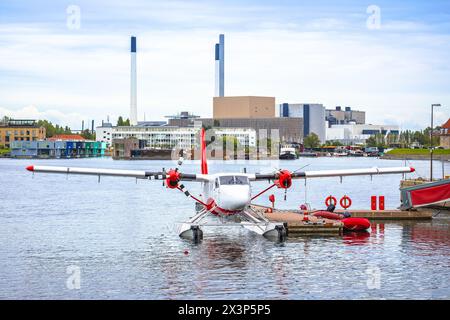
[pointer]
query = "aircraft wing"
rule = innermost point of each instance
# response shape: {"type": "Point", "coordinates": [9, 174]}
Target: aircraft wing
{"type": "Point", "coordinates": [333, 173]}
{"type": "Point", "coordinates": [138, 174]}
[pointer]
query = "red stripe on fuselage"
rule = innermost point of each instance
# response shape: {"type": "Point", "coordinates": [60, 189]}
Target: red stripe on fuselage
{"type": "Point", "coordinates": [211, 203]}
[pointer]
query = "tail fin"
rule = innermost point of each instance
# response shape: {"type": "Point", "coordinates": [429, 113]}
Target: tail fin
{"type": "Point", "coordinates": [203, 146]}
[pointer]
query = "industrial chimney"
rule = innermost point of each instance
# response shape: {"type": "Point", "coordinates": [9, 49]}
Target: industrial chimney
{"type": "Point", "coordinates": [133, 98]}
{"type": "Point", "coordinates": [220, 67]}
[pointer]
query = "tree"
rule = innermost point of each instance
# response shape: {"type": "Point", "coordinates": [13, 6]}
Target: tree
{"type": "Point", "coordinates": [51, 130]}
{"type": "Point", "coordinates": [88, 135]}
{"type": "Point", "coordinates": [122, 123]}
{"type": "Point", "coordinates": [334, 143]}
{"type": "Point", "coordinates": [311, 141]}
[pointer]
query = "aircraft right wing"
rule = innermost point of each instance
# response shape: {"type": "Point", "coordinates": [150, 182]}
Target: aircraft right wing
{"type": "Point", "coordinates": [138, 174]}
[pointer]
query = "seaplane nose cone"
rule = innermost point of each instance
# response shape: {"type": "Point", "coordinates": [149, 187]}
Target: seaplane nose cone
{"type": "Point", "coordinates": [30, 168]}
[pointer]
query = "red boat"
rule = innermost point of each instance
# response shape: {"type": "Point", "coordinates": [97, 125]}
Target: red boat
{"type": "Point", "coordinates": [350, 224]}
{"type": "Point", "coordinates": [356, 224]}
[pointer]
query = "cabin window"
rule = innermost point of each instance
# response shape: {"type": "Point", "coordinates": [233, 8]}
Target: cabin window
{"type": "Point", "coordinates": [240, 180]}
{"type": "Point", "coordinates": [226, 180]}
{"type": "Point", "coordinates": [229, 180]}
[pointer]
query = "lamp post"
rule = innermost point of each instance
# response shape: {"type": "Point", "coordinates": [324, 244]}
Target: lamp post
{"type": "Point", "coordinates": [431, 140]}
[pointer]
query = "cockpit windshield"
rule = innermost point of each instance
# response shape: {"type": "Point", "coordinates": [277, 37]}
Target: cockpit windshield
{"type": "Point", "coordinates": [227, 180]}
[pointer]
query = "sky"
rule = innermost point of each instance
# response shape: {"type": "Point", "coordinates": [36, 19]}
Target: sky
{"type": "Point", "coordinates": [69, 61]}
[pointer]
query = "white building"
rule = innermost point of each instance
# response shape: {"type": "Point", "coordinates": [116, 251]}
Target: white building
{"type": "Point", "coordinates": [313, 115]}
{"type": "Point", "coordinates": [170, 137]}
{"type": "Point", "coordinates": [358, 133]}
{"type": "Point", "coordinates": [245, 136]}
{"type": "Point", "coordinates": [104, 134]}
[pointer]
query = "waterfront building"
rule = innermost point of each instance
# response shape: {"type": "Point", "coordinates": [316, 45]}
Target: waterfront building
{"type": "Point", "coordinates": [347, 116]}
{"type": "Point", "coordinates": [57, 149]}
{"type": "Point", "coordinates": [358, 133]}
{"type": "Point", "coordinates": [168, 137]}
{"type": "Point", "coordinates": [20, 130]}
{"type": "Point", "coordinates": [445, 135]}
{"type": "Point", "coordinates": [313, 115]}
{"type": "Point", "coordinates": [103, 133]}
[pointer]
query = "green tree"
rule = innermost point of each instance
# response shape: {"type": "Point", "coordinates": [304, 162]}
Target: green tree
{"type": "Point", "coordinates": [122, 123]}
{"type": "Point", "coordinates": [51, 130]}
{"type": "Point", "coordinates": [88, 135]}
{"type": "Point", "coordinates": [311, 141]}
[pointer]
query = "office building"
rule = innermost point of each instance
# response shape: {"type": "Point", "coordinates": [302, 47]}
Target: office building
{"type": "Point", "coordinates": [358, 133]}
{"type": "Point", "coordinates": [346, 116]}
{"type": "Point", "coordinates": [313, 115]}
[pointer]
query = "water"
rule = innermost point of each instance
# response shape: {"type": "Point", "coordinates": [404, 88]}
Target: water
{"type": "Point", "coordinates": [120, 236]}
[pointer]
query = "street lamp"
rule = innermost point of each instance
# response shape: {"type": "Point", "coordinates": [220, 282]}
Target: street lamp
{"type": "Point", "coordinates": [431, 140]}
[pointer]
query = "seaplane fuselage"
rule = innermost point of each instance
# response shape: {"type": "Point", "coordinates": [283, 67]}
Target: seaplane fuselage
{"type": "Point", "coordinates": [227, 193]}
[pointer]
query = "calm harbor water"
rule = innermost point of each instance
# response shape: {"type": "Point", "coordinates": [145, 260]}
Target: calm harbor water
{"type": "Point", "coordinates": [120, 236]}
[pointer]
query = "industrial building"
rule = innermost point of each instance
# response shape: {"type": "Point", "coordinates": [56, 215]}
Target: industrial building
{"type": "Point", "coordinates": [313, 115]}
{"type": "Point", "coordinates": [133, 84]}
{"type": "Point", "coordinates": [220, 67]}
{"type": "Point", "coordinates": [339, 116]}
{"type": "Point", "coordinates": [358, 133]}
{"type": "Point", "coordinates": [243, 107]}
{"type": "Point", "coordinates": [281, 129]}
{"type": "Point", "coordinates": [20, 130]}
{"type": "Point", "coordinates": [183, 119]}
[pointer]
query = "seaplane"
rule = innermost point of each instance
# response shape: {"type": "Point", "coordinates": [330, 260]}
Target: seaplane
{"type": "Point", "coordinates": [225, 196]}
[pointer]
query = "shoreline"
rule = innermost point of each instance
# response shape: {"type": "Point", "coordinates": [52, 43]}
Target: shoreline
{"type": "Point", "coordinates": [438, 157]}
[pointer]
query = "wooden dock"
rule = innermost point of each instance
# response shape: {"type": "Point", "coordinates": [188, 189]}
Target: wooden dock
{"type": "Point", "coordinates": [391, 214]}
{"type": "Point", "coordinates": [296, 224]}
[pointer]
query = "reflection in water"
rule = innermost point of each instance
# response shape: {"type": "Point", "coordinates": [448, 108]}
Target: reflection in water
{"type": "Point", "coordinates": [121, 236]}
{"type": "Point", "coordinates": [356, 238]}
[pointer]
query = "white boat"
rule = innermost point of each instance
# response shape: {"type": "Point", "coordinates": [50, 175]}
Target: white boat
{"type": "Point", "coordinates": [287, 153]}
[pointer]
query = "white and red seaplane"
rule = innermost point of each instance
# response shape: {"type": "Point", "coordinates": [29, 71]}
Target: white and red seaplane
{"type": "Point", "coordinates": [226, 196]}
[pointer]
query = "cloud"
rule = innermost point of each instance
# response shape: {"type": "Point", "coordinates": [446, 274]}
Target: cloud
{"type": "Point", "coordinates": [73, 119]}
{"type": "Point", "coordinates": [308, 56]}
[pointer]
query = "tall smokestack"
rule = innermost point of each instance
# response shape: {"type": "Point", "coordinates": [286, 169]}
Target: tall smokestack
{"type": "Point", "coordinates": [217, 65]}
{"type": "Point", "coordinates": [133, 98]}
{"type": "Point", "coordinates": [220, 67]}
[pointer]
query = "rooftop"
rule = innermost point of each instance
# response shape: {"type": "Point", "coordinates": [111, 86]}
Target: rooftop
{"type": "Point", "coordinates": [19, 123]}
{"type": "Point", "coordinates": [64, 137]}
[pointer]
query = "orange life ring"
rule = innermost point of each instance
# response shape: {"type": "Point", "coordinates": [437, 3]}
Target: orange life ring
{"type": "Point", "coordinates": [330, 199]}
{"type": "Point", "coordinates": [345, 202]}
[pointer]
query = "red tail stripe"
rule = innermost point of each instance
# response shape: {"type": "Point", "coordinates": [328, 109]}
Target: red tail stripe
{"type": "Point", "coordinates": [203, 146]}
